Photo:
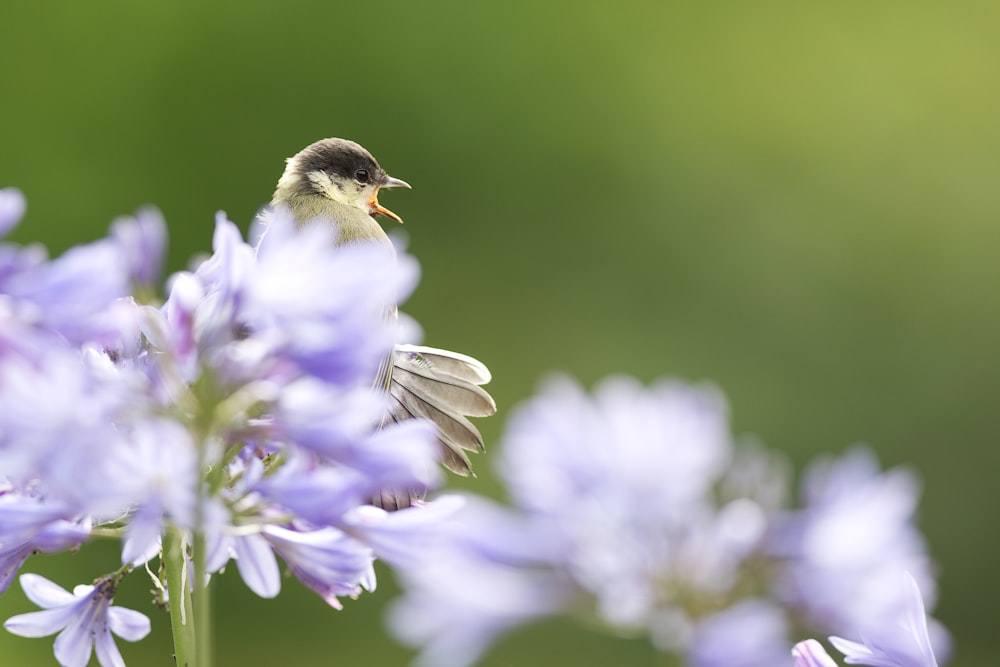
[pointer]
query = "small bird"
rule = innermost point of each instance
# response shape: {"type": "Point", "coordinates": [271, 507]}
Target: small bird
{"type": "Point", "coordinates": [338, 181]}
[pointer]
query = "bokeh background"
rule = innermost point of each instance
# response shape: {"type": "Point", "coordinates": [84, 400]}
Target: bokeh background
{"type": "Point", "coordinates": [796, 201]}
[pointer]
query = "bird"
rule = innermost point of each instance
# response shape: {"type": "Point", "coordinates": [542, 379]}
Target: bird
{"type": "Point", "coordinates": [337, 181]}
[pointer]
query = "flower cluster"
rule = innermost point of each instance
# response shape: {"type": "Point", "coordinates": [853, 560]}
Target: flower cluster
{"type": "Point", "coordinates": [236, 419]}
{"type": "Point", "coordinates": [635, 508]}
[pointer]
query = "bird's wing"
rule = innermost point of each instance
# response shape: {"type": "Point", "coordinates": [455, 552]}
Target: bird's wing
{"type": "Point", "coordinates": [442, 386]}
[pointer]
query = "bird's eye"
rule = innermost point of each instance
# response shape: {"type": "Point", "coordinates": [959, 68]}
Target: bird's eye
{"type": "Point", "coordinates": [361, 175]}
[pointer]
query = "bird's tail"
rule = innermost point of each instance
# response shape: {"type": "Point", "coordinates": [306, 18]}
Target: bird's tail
{"type": "Point", "coordinates": [443, 387]}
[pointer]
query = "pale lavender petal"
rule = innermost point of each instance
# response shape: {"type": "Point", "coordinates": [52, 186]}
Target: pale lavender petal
{"type": "Point", "coordinates": [257, 565]}
{"type": "Point", "coordinates": [19, 513]}
{"type": "Point", "coordinates": [142, 535]}
{"type": "Point", "coordinates": [74, 645]}
{"type": "Point", "coordinates": [10, 562]}
{"type": "Point", "coordinates": [403, 538]}
{"type": "Point", "coordinates": [76, 292]}
{"type": "Point", "coordinates": [455, 609]}
{"type": "Point", "coordinates": [40, 623]}
{"type": "Point", "coordinates": [810, 653]}
{"type": "Point", "coordinates": [61, 535]}
{"type": "Point", "coordinates": [128, 624]}
{"type": "Point", "coordinates": [107, 651]}
{"type": "Point", "coordinates": [45, 593]}
{"type": "Point", "coordinates": [143, 240]}
{"type": "Point", "coordinates": [900, 639]}
{"type": "Point", "coordinates": [327, 419]}
{"type": "Point", "coordinates": [320, 495]}
{"type": "Point", "coordinates": [327, 561]}
{"type": "Point", "coordinates": [858, 653]}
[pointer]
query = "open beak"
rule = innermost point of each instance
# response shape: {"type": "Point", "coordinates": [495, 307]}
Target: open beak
{"type": "Point", "coordinates": [378, 209]}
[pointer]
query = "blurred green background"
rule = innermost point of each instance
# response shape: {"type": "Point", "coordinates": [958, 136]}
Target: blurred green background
{"type": "Point", "coordinates": [796, 201]}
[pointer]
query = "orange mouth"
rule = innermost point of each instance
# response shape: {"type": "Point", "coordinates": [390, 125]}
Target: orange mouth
{"type": "Point", "coordinates": [377, 209]}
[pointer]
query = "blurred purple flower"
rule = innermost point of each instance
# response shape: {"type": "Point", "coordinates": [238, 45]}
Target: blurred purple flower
{"type": "Point", "coordinates": [488, 572]}
{"type": "Point", "coordinates": [900, 639]}
{"type": "Point", "coordinates": [57, 425]}
{"type": "Point", "coordinates": [156, 476]}
{"type": "Point", "coordinates": [626, 477]}
{"type": "Point", "coordinates": [143, 242]}
{"type": "Point", "coordinates": [76, 295]}
{"type": "Point", "coordinates": [844, 550]}
{"type": "Point", "coordinates": [748, 634]}
{"type": "Point", "coordinates": [28, 526]}
{"type": "Point", "coordinates": [635, 501]}
{"type": "Point", "coordinates": [84, 620]}
{"type": "Point", "coordinates": [653, 450]}
{"type": "Point", "coordinates": [303, 285]}
{"type": "Point", "coordinates": [407, 537]}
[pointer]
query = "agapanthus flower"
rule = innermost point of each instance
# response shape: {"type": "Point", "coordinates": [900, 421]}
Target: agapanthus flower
{"type": "Point", "coordinates": [843, 552]}
{"type": "Point", "coordinates": [29, 526]}
{"type": "Point", "coordinates": [84, 619]}
{"type": "Point", "coordinates": [239, 415]}
{"type": "Point", "coordinates": [750, 633]}
{"type": "Point", "coordinates": [636, 504]}
{"type": "Point", "coordinates": [143, 240]}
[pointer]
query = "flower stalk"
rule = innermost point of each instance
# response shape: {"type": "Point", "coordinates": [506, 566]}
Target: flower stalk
{"type": "Point", "coordinates": [179, 592]}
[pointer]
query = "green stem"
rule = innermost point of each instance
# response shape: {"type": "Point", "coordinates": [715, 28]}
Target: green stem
{"type": "Point", "coordinates": [202, 604]}
{"type": "Point", "coordinates": [179, 591]}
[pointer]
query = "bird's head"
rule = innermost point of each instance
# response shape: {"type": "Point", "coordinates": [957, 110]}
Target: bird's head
{"type": "Point", "coordinates": [339, 170]}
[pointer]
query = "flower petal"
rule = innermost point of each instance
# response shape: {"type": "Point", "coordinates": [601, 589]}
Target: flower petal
{"type": "Point", "coordinates": [810, 653]}
{"type": "Point", "coordinates": [128, 624]}
{"type": "Point", "coordinates": [44, 593]}
{"type": "Point", "coordinates": [73, 646]}
{"type": "Point", "coordinates": [107, 651]}
{"type": "Point", "coordinates": [39, 623]}
{"type": "Point", "coordinates": [257, 565]}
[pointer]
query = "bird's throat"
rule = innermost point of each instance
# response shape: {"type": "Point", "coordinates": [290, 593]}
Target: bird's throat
{"type": "Point", "coordinates": [353, 224]}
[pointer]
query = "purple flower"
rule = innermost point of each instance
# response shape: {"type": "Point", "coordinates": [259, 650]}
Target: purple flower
{"type": "Point", "coordinates": [319, 494]}
{"type": "Point", "coordinates": [29, 526]}
{"type": "Point", "coordinates": [303, 285]}
{"type": "Point", "coordinates": [488, 571]}
{"type": "Point", "coordinates": [747, 634]}
{"type": "Point", "coordinates": [243, 409]}
{"type": "Point", "coordinates": [459, 602]}
{"type": "Point", "coordinates": [328, 561]}
{"type": "Point", "coordinates": [57, 425]}
{"type": "Point", "coordinates": [84, 620]}
{"type": "Point", "coordinates": [844, 550]}
{"type": "Point", "coordinates": [155, 475]}
{"type": "Point", "coordinates": [405, 538]}
{"type": "Point", "coordinates": [653, 449]}
{"type": "Point", "coordinates": [143, 242]}
{"type": "Point", "coordinates": [900, 639]}
{"type": "Point", "coordinates": [634, 501]}
{"type": "Point", "coordinates": [77, 295]}
{"type": "Point", "coordinates": [626, 477]}
{"type": "Point", "coordinates": [810, 653]}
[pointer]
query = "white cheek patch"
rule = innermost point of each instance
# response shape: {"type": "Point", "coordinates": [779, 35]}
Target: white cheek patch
{"type": "Point", "coordinates": [325, 185]}
{"type": "Point", "coordinates": [339, 191]}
